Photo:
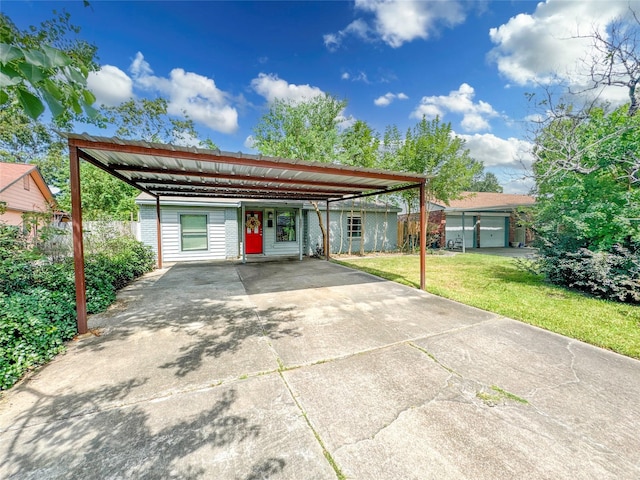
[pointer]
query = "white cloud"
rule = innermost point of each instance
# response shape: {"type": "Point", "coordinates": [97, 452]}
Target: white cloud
{"type": "Point", "coordinates": [514, 182]}
{"type": "Point", "coordinates": [249, 142]}
{"type": "Point", "coordinates": [474, 115]}
{"type": "Point", "coordinates": [271, 87]}
{"type": "Point", "coordinates": [110, 85]}
{"type": "Point", "coordinates": [185, 139]}
{"type": "Point", "coordinates": [188, 92]}
{"type": "Point", "coordinates": [359, 77]}
{"type": "Point", "coordinates": [497, 152]}
{"type": "Point", "coordinates": [396, 22]}
{"type": "Point", "coordinates": [358, 28]}
{"type": "Point", "coordinates": [389, 97]}
{"type": "Point", "coordinates": [542, 48]}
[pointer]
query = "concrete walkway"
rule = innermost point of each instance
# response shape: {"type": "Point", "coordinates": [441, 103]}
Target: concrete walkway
{"type": "Point", "coordinates": [310, 370]}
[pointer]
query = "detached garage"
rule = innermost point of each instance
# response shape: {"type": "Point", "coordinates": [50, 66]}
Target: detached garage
{"type": "Point", "coordinates": [494, 230]}
{"type": "Point", "coordinates": [490, 220]}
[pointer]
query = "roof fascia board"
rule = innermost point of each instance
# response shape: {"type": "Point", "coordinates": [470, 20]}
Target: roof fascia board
{"type": "Point", "coordinates": [241, 196]}
{"type": "Point", "coordinates": [504, 208]}
{"type": "Point", "coordinates": [188, 203]}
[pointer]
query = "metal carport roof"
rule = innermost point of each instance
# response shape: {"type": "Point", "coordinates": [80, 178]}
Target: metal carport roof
{"type": "Point", "coordinates": [170, 170]}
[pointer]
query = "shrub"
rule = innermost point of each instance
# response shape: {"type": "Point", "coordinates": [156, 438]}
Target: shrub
{"type": "Point", "coordinates": [613, 275]}
{"type": "Point", "coordinates": [37, 296]}
{"type": "Point", "coordinates": [33, 327]}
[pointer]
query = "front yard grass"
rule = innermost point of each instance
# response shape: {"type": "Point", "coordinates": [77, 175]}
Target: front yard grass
{"type": "Point", "coordinates": [495, 284]}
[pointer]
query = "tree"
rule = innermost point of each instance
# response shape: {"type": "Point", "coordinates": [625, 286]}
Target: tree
{"type": "Point", "coordinates": [361, 145]}
{"type": "Point", "coordinates": [104, 196]}
{"type": "Point", "coordinates": [616, 58]}
{"type": "Point", "coordinates": [431, 148]}
{"type": "Point", "coordinates": [149, 120]}
{"type": "Point", "coordinates": [588, 190]}
{"type": "Point", "coordinates": [307, 130]}
{"type": "Point", "coordinates": [44, 66]}
{"type": "Point", "coordinates": [485, 182]}
{"type": "Point", "coordinates": [587, 215]}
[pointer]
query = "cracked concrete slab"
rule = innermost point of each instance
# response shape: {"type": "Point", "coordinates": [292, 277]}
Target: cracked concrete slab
{"type": "Point", "coordinates": [296, 370]}
{"type": "Point", "coordinates": [248, 429]}
{"type": "Point", "coordinates": [590, 392]}
{"type": "Point", "coordinates": [345, 311]}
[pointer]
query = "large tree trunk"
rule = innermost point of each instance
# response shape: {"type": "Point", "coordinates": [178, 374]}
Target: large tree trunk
{"type": "Point", "coordinates": [322, 227]}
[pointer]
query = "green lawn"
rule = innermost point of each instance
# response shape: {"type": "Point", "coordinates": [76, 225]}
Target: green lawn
{"type": "Point", "coordinates": [495, 284]}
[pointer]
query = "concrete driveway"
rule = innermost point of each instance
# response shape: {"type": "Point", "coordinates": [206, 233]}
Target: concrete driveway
{"type": "Point", "coordinates": [310, 370]}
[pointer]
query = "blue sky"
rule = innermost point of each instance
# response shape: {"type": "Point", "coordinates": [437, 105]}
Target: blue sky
{"type": "Point", "coordinates": [471, 63]}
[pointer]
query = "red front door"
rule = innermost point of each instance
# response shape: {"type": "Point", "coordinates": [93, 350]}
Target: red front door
{"type": "Point", "coordinates": [253, 232]}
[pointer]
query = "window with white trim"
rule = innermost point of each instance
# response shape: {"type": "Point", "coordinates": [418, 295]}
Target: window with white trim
{"type": "Point", "coordinates": [285, 226]}
{"type": "Point", "coordinates": [193, 233]}
{"type": "Point", "coordinates": [354, 227]}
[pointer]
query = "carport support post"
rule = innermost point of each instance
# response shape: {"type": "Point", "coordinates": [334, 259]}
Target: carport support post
{"type": "Point", "coordinates": [243, 236]}
{"type": "Point", "coordinates": [464, 246]}
{"type": "Point", "coordinates": [327, 243]}
{"type": "Point", "coordinates": [423, 234]}
{"type": "Point", "coordinates": [159, 232]}
{"type": "Point", "coordinates": [299, 232]}
{"type": "Point", "coordinates": [78, 246]}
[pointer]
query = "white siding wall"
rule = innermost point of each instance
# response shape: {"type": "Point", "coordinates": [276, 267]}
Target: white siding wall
{"type": "Point", "coordinates": [271, 247]}
{"type": "Point", "coordinates": [380, 231]}
{"type": "Point", "coordinates": [170, 224]}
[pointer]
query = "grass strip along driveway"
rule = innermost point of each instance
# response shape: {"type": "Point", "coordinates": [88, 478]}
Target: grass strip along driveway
{"type": "Point", "coordinates": [497, 285]}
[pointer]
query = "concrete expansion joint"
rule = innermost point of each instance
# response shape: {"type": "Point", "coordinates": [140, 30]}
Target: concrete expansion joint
{"type": "Point", "coordinates": [433, 357]}
{"type": "Point", "coordinates": [317, 436]}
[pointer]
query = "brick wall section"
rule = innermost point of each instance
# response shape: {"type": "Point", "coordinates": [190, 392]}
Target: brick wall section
{"type": "Point", "coordinates": [231, 233]}
{"type": "Point", "coordinates": [512, 229]}
{"type": "Point", "coordinates": [148, 234]}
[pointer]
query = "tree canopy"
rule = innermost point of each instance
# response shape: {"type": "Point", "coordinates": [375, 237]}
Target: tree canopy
{"type": "Point", "coordinates": [485, 182]}
{"type": "Point", "coordinates": [307, 130]}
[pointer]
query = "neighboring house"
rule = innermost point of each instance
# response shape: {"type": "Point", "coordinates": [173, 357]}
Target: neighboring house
{"type": "Point", "coordinates": [490, 220]}
{"type": "Point", "coordinates": [23, 191]}
{"type": "Point", "coordinates": [206, 229]}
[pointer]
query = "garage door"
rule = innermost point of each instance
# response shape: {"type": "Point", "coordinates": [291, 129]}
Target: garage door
{"type": "Point", "coordinates": [492, 231]}
{"type": "Point", "coordinates": [453, 229]}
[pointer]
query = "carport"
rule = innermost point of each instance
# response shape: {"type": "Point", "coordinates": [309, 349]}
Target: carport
{"type": "Point", "coordinates": [168, 170]}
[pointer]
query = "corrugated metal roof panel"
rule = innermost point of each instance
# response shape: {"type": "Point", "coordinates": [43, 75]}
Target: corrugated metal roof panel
{"type": "Point", "coordinates": [185, 170]}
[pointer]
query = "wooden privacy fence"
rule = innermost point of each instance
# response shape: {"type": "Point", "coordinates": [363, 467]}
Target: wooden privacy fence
{"type": "Point", "coordinates": [409, 232]}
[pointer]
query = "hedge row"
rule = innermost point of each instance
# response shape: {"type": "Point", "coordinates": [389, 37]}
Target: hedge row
{"type": "Point", "coordinates": [37, 297]}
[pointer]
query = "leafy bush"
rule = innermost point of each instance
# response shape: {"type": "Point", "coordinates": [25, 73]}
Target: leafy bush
{"type": "Point", "coordinates": [37, 296]}
{"type": "Point", "coordinates": [614, 274]}
{"type": "Point", "coordinates": [33, 327]}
